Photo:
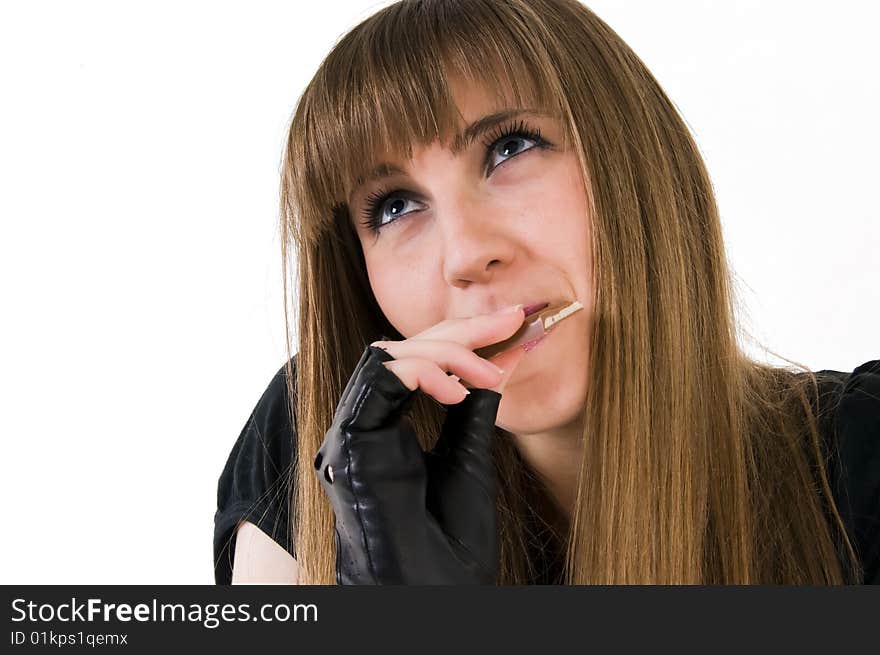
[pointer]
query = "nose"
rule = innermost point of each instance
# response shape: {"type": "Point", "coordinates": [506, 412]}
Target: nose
{"type": "Point", "coordinates": [474, 244]}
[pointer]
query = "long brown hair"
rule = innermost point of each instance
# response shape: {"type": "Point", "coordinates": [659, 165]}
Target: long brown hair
{"type": "Point", "coordinates": [700, 465]}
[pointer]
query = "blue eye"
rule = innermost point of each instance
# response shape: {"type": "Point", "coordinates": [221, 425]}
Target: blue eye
{"type": "Point", "coordinates": [374, 208]}
{"type": "Point", "coordinates": [376, 202]}
{"type": "Point", "coordinates": [506, 140]}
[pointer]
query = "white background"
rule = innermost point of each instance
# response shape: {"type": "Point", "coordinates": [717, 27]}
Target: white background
{"type": "Point", "coordinates": [140, 258]}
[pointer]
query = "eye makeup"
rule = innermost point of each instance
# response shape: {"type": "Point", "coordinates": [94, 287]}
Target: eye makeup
{"type": "Point", "coordinates": [374, 205]}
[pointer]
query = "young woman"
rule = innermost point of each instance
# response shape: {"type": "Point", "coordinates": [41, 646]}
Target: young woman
{"type": "Point", "coordinates": [451, 158]}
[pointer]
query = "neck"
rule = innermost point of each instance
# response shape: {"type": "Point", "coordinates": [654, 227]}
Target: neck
{"type": "Point", "coordinates": [555, 458]}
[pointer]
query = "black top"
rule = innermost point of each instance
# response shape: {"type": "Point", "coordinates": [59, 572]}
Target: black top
{"type": "Point", "coordinates": [255, 483]}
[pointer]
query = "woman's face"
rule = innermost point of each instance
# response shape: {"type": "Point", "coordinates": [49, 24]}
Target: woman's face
{"type": "Point", "coordinates": [465, 234]}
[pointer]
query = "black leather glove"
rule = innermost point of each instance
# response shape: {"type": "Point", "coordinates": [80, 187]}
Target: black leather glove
{"type": "Point", "coordinates": [405, 516]}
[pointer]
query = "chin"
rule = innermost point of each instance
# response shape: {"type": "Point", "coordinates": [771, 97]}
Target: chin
{"type": "Point", "coordinates": [533, 407]}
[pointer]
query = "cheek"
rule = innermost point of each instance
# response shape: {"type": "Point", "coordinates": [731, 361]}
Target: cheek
{"type": "Point", "coordinates": [562, 231]}
{"type": "Point", "coordinates": [400, 295]}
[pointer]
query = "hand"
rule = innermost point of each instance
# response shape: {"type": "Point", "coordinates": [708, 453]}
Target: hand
{"type": "Point", "coordinates": [404, 516]}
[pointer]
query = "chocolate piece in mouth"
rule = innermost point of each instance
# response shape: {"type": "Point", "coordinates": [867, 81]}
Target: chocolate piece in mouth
{"type": "Point", "coordinates": [533, 327]}
{"type": "Point", "coordinates": [537, 307]}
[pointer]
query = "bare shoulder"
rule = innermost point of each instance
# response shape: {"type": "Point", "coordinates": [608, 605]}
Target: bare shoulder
{"type": "Point", "coordinates": [261, 560]}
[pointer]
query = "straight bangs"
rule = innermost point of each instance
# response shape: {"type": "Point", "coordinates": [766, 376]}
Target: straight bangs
{"type": "Point", "coordinates": [384, 87]}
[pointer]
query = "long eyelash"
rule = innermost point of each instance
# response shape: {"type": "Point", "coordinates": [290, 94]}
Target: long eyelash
{"type": "Point", "coordinates": [371, 204]}
{"type": "Point", "coordinates": [519, 129]}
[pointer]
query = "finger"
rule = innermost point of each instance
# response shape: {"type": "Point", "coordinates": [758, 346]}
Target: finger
{"type": "Point", "coordinates": [424, 374]}
{"type": "Point", "coordinates": [476, 331]}
{"type": "Point", "coordinates": [507, 361]}
{"type": "Point", "coordinates": [375, 395]}
{"type": "Point", "coordinates": [354, 379]}
{"type": "Point", "coordinates": [448, 355]}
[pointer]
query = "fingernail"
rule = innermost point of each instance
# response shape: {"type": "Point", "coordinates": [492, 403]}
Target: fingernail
{"type": "Point", "coordinates": [496, 367]}
{"type": "Point", "coordinates": [511, 309]}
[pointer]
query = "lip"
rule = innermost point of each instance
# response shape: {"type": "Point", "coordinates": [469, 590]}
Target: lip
{"type": "Point", "coordinates": [531, 345]}
{"type": "Point", "coordinates": [535, 307]}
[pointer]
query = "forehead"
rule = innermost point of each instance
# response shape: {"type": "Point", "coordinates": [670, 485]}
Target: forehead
{"type": "Point", "coordinates": [471, 102]}
{"type": "Point", "coordinates": [472, 98]}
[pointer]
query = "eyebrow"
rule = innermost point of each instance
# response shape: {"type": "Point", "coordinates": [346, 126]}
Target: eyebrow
{"type": "Point", "coordinates": [461, 141]}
